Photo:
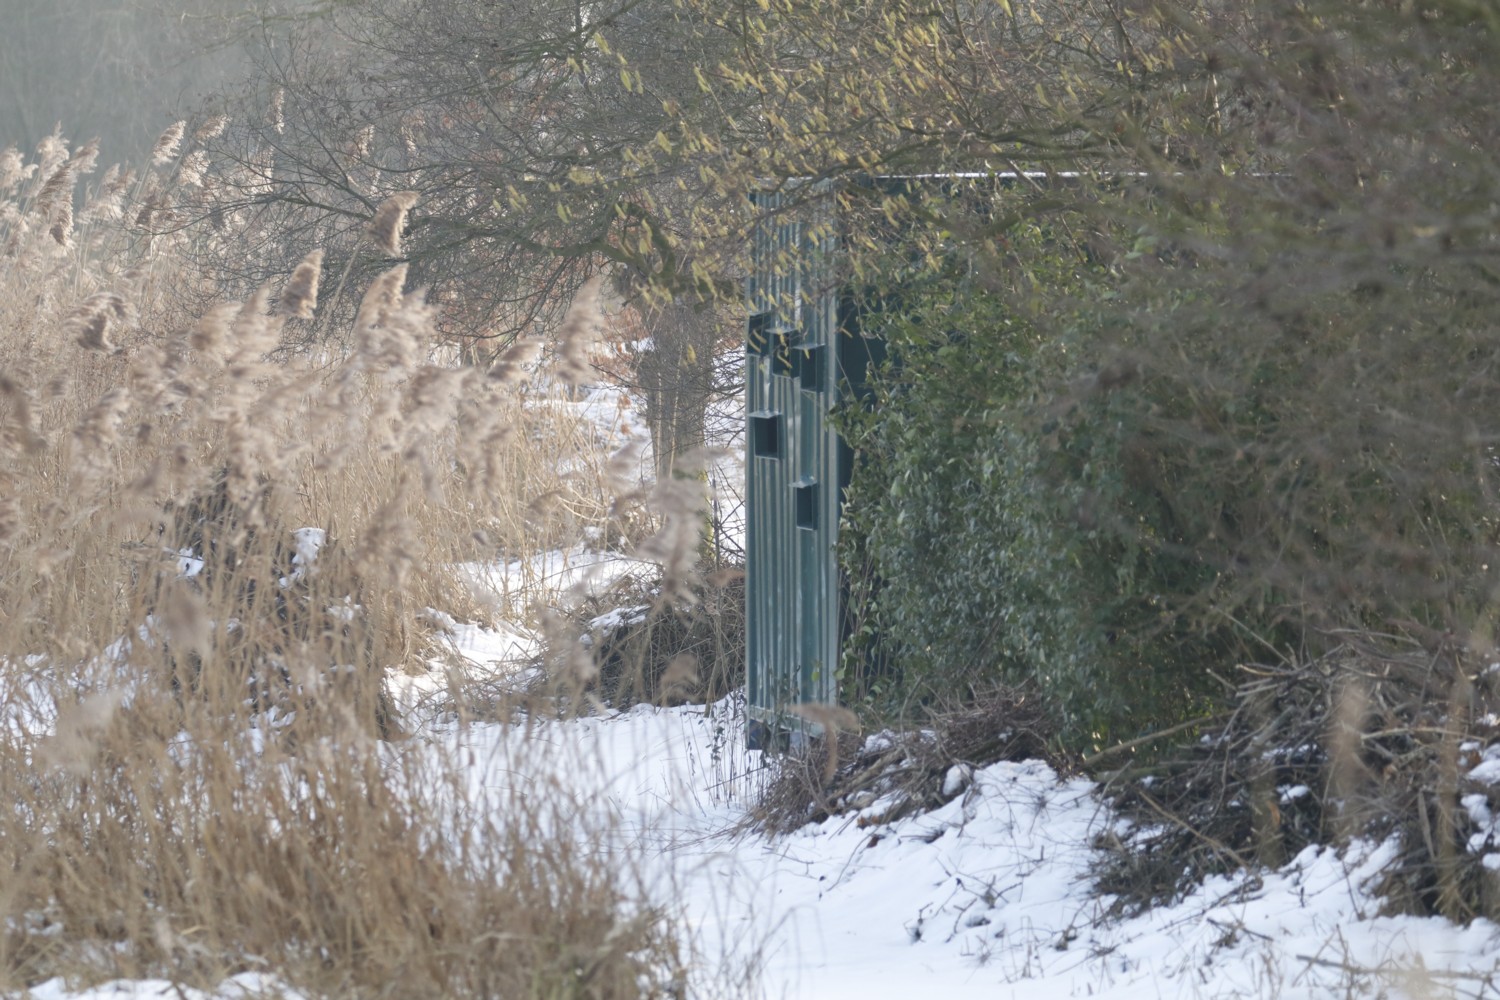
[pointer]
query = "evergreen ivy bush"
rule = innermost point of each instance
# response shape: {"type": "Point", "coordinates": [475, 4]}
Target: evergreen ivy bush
{"type": "Point", "coordinates": [1002, 533]}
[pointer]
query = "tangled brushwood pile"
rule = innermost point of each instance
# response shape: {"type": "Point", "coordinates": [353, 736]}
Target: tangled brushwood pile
{"type": "Point", "coordinates": [296, 627]}
{"type": "Point", "coordinates": [890, 775]}
{"type": "Point", "coordinates": [1377, 739]}
{"type": "Point", "coordinates": [651, 648]}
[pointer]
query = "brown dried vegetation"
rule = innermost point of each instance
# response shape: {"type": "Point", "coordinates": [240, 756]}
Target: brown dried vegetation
{"type": "Point", "coordinates": [206, 772]}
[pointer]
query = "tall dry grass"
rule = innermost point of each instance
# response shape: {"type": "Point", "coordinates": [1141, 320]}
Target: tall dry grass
{"type": "Point", "coordinates": [205, 772]}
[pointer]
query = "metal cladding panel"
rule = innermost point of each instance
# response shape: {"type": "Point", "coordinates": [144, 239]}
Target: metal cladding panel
{"type": "Point", "coordinates": [806, 355]}
{"type": "Point", "coordinates": [793, 473]}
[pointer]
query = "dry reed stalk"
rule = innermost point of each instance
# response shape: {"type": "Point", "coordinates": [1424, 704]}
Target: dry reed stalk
{"type": "Point", "coordinates": [167, 144]}
{"type": "Point", "coordinates": [51, 152]}
{"type": "Point", "coordinates": [193, 167]}
{"type": "Point", "coordinates": [54, 203]}
{"type": "Point", "coordinates": [300, 296]}
{"type": "Point", "coordinates": [212, 128]}
{"type": "Point", "coordinates": [91, 321]}
{"type": "Point", "coordinates": [512, 363]}
{"type": "Point", "coordinates": [579, 332]}
{"type": "Point", "coordinates": [85, 157]}
{"type": "Point", "coordinates": [146, 784]}
{"type": "Point", "coordinates": [14, 169]}
{"type": "Point", "coordinates": [385, 228]}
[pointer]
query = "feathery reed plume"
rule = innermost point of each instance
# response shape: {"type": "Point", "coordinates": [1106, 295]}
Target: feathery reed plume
{"type": "Point", "coordinates": [85, 157]}
{"type": "Point", "coordinates": [682, 499]}
{"type": "Point", "coordinates": [511, 365]}
{"type": "Point", "coordinates": [21, 420]}
{"type": "Point", "coordinates": [146, 217]}
{"type": "Point", "coordinates": [165, 149]}
{"type": "Point", "coordinates": [211, 334]}
{"type": "Point", "coordinates": [254, 334]}
{"type": "Point", "coordinates": [381, 299]}
{"type": "Point", "coordinates": [390, 218]}
{"type": "Point", "coordinates": [276, 117]}
{"type": "Point", "coordinates": [90, 322]}
{"type": "Point", "coordinates": [300, 297]}
{"type": "Point", "coordinates": [55, 204]}
{"type": "Point", "coordinates": [193, 167]}
{"type": "Point", "coordinates": [211, 129]}
{"type": "Point", "coordinates": [99, 430]}
{"type": "Point", "coordinates": [13, 168]}
{"type": "Point", "coordinates": [51, 151]}
{"type": "Point", "coordinates": [579, 331]}
{"type": "Point", "coordinates": [107, 203]}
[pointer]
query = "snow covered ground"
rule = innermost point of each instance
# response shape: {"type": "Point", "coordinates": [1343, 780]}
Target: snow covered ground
{"type": "Point", "coordinates": [987, 896]}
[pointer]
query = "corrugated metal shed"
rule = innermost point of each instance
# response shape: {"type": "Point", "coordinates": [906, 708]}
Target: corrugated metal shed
{"type": "Point", "coordinates": [804, 354]}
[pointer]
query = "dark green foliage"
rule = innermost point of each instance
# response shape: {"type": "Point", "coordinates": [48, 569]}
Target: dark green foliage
{"type": "Point", "coordinates": [1022, 528]}
{"type": "Point", "coordinates": [1115, 475]}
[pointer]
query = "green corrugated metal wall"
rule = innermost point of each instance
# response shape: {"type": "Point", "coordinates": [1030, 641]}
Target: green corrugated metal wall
{"type": "Point", "coordinates": [806, 353]}
{"type": "Point", "coordinates": [803, 354]}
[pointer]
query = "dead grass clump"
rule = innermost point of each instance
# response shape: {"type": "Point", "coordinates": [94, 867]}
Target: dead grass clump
{"type": "Point", "coordinates": [1372, 741]}
{"type": "Point", "coordinates": [899, 774]}
{"type": "Point", "coordinates": [164, 846]}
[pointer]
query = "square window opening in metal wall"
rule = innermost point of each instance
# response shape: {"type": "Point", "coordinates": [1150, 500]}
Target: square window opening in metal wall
{"type": "Point", "coordinates": [809, 364]}
{"type": "Point", "coordinates": [766, 434]}
{"type": "Point", "coordinates": [783, 358]}
{"type": "Point", "coordinates": [806, 493]}
{"type": "Point", "coordinates": [759, 335]}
